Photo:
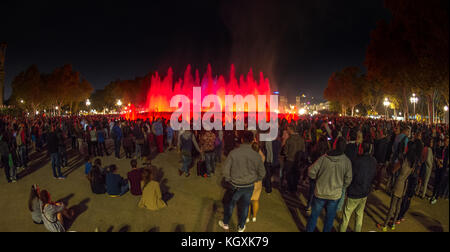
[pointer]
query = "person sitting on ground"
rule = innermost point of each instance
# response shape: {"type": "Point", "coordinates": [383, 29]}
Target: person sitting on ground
{"type": "Point", "coordinates": [87, 165]}
{"type": "Point", "coordinates": [115, 184]}
{"type": "Point", "coordinates": [53, 214]}
{"type": "Point", "coordinates": [135, 177]}
{"type": "Point", "coordinates": [34, 205]}
{"type": "Point", "coordinates": [151, 192]}
{"type": "Point", "coordinates": [97, 180]}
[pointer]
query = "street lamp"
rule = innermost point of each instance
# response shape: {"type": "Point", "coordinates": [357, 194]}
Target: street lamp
{"type": "Point", "coordinates": [446, 108]}
{"type": "Point", "coordinates": [386, 104]}
{"type": "Point", "coordinates": [414, 100]}
{"type": "Point", "coordinates": [21, 101]}
{"type": "Point", "coordinates": [88, 102]}
{"type": "Point", "coordinates": [119, 103]}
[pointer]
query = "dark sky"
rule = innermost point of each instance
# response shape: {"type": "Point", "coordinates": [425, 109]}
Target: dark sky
{"type": "Point", "coordinates": [298, 44]}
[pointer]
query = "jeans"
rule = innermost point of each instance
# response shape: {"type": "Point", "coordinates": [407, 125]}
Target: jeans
{"type": "Point", "coordinates": [238, 194]}
{"type": "Point", "coordinates": [117, 147]}
{"type": "Point", "coordinates": [56, 167]}
{"type": "Point", "coordinates": [352, 205]}
{"type": "Point", "coordinates": [210, 163]}
{"type": "Point", "coordinates": [160, 143]}
{"type": "Point", "coordinates": [101, 148]}
{"type": "Point", "coordinates": [187, 160]}
{"type": "Point", "coordinates": [138, 153]}
{"type": "Point", "coordinates": [439, 183]}
{"type": "Point", "coordinates": [124, 189]}
{"type": "Point", "coordinates": [317, 206]}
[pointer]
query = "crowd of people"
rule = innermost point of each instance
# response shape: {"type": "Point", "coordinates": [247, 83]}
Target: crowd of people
{"type": "Point", "coordinates": [339, 160]}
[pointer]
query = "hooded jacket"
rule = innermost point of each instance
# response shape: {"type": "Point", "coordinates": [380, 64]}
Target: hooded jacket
{"type": "Point", "coordinates": [332, 172]}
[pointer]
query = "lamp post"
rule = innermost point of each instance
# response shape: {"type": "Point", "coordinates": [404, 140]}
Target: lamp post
{"type": "Point", "coordinates": [386, 104]}
{"type": "Point", "coordinates": [414, 100]}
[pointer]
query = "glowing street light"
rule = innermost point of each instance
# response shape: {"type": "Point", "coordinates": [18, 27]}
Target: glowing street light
{"type": "Point", "coordinates": [302, 111]}
{"type": "Point", "coordinates": [119, 103]}
{"type": "Point", "coordinates": [386, 104]}
{"type": "Point", "coordinates": [414, 100]}
{"type": "Point", "coordinates": [446, 108]}
{"type": "Point", "coordinates": [88, 102]}
{"type": "Point", "coordinates": [22, 101]}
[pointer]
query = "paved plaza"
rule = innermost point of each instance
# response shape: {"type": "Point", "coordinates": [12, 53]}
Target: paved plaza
{"type": "Point", "coordinates": [196, 205]}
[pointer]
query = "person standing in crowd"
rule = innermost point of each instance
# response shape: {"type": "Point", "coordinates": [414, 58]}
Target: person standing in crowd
{"type": "Point", "coordinates": [62, 153]}
{"type": "Point", "coordinates": [254, 205]}
{"type": "Point", "coordinates": [101, 136]}
{"type": "Point", "coordinates": [170, 136]}
{"type": "Point", "coordinates": [332, 173]}
{"type": "Point", "coordinates": [5, 156]}
{"type": "Point", "coordinates": [140, 141]}
{"type": "Point", "coordinates": [207, 147]}
{"type": "Point", "coordinates": [219, 146]}
{"type": "Point", "coordinates": [185, 146]}
{"type": "Point", "coordinates": [267, 149]}
{"type": "Point", "coordinates": [117, 137]}
{"type": "Point", "coordinates": [158, 131]}
{"type": "Point", "coordinates": [427, 158]}
{"type": "Point", "coordinates": [441, 178]}
{"type": "Point", "coordinates": [320, 149]}
{"type": "Point", "coordinates": [363, 172]}
{"type": "Point", "coordinates": [380, 146]}
{"type": "Point", "coordinates": [52, 146]}
{"type": "Point", "coordinates": [293, 149]}
{"type": "Point", "coordinates": [242, 168]}
{"type": "Point", "coordinates": [21, 141]}
{"type": "Point", "coordinates": [399, 189]}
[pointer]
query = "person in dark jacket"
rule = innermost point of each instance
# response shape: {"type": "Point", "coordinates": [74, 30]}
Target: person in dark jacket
{"type": "Point", "coordinates": [4, 152]}
{"type": "Point", "coordinates": [97, 180]}
{"type": "Point", "coordinates": [293, 151]}
{"type": "Point", "coordinates": [52, 145]}
{"type": "Point", "coordinates": [363, 171]}
{"type": "Point", "coordinates": [381, 147]}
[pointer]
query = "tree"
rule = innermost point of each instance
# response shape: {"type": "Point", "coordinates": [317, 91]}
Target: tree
{"type": "Point", "coordinates": [345, 87]}
{"type": "Point", "coordinates": [28, 87]}
{"type": "Point", "coordinates": [411, 51]}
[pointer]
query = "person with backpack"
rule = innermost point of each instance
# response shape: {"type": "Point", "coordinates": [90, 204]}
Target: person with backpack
{"type": "Point", "coordinates": [398, 152]}
{"type": "Point", "coordinates": [185, 146]}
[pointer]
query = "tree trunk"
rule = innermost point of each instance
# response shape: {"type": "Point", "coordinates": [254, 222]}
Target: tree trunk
{"type": "Point", "coordinates": [430, 108]}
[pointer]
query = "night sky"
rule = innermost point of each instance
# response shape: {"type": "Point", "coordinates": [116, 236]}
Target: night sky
{"type": "Point", "coordinates": [298, 44]}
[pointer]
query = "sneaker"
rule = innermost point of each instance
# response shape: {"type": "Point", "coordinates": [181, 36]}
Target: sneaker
{"type": "Point", "coordinates": [433, 201]}
{"type": "Point", "coordinates": [384, 229]}
{"type": "Point", "coordinates": [180, 172]}
{"type": "Point", "coordinates": [241, 230]}
{"type": "Point", "coordinates": [393, 227]}
{"type": "Point", "coordinates": [247, 221]}
{"type": "Point", "coordinates": [254, 219]}
{"type": "Point", "coordinates": [187, 175]}
{"type": "Point", "coordinates": [61, 177]}
{"type": "Point", "coordinates": [14, 181]}
{"type": "Point", "coordinates": [224, 226]}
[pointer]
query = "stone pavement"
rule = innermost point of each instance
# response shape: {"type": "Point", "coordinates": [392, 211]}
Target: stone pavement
{"type": "Point", "coordinates": [195, 207]}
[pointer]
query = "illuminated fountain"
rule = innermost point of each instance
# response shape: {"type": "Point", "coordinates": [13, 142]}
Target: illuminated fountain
{"type": "Point", "coordinates": [162, 89]}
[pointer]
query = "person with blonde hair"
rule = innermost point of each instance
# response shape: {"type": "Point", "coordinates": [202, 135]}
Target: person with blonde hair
{"type": "Point", "coordinates": [151, 192]}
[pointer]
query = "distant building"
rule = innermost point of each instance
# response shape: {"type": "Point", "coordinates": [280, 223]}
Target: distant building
{"type": "Point", "coordinates": [283, 104]}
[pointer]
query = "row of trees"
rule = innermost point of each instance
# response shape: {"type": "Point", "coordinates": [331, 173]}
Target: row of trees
{"type": "Point", "coordinates": [408, 54]}
{"type": "Point", "coordinates": [63, 89]}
